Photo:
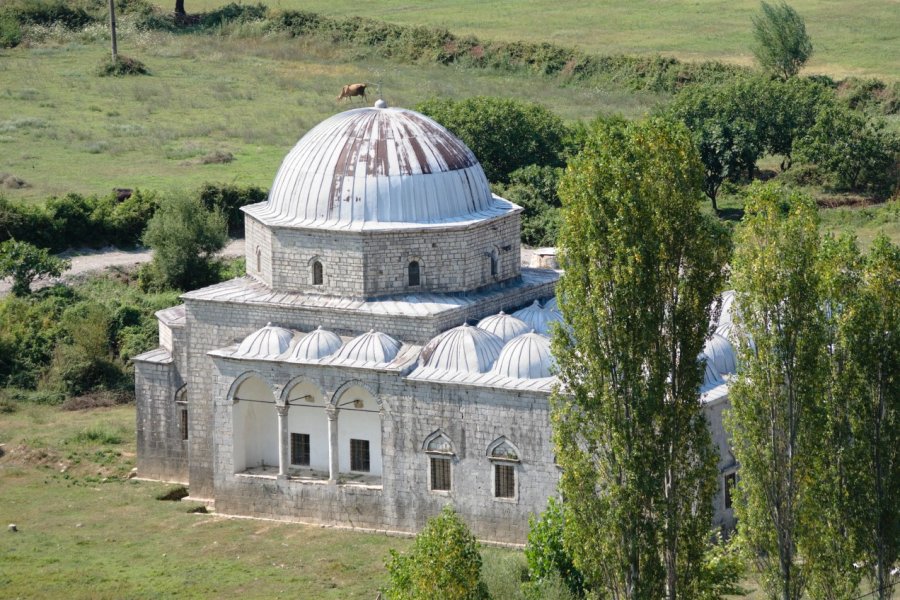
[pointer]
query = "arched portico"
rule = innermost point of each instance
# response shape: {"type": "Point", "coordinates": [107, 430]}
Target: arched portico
{"type": "Point", "coordinates": [356, 413]}
{"type": "Point", "coordinates": [307, 424]}
{"type": "Point", "coordinates": [254, 425]}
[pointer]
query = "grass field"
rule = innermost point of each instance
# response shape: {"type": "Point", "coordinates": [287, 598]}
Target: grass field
{"type": "Point", "coordinates": [64, 129]}
{"type": "Point", "coordinates": [850, 37]}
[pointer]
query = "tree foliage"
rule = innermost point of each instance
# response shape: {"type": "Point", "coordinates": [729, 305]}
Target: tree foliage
{"type": "Point", "coordinates": [859, 151]}
{"type": "Point", "coordinates": [504, 134]}
{"type": "Point", "coordinates": [774, 418]}
{"type": "Point", "coordinates": [24, 263]}
{"type": "Point", "coordinates": [185, 237]}
{"type": "Point", "coordinates": [782, 45]}
{"type": "Point", "coordinates": [444, 562]}
{"type": "Point", "coordinates": [546, 552]}
{"type": "Point", "coordinates": [642, 266]}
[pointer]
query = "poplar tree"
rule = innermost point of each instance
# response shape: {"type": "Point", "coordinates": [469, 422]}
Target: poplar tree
{"type": "Point", "coordinates": [774, 418]}
{"type": "Point", "coordinates": [872, 335]}
{"type": "Point", "coordinates": [642, 266]}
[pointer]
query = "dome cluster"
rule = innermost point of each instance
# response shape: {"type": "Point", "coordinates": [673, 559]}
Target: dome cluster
{"type": "Point", "coordinates": [504, 345]}
{"type": "Point", "coordinates": [275, 343]}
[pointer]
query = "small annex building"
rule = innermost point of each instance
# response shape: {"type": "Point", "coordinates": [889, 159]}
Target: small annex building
{"type": "Point", "coordinates": [385, 353]}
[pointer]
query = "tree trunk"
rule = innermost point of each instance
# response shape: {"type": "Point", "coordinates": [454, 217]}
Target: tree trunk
{"type": "Point", "coordinates": [179, 7]}
{"type": "Point", "coordinates": [112, 29]}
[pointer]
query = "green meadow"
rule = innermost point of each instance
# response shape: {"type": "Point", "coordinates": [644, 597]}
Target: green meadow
{"type": "Point", "coordinates": [850, 37]}
{"type": "Point", "coordinates": [64, 129]}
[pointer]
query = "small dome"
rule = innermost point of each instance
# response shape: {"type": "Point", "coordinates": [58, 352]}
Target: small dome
{"type": "Point", "coordinates": [374, 347]}
{"type": "Point", "coordinates": [551, 304]}
{"type": "Point", "coordinates": [267, 342]}
{"type": "Point", "coordinates": [526, 357]}
{"type": "Point", "coordinates": [538, 318]}
{"type": "Point", "coordinates": [377, 165]}
{"type": "Point", "coordinates": [711, 377]}
{"type": "Point", "coordinates": [466, 349]}
{"type": "Point", "coordinates": [504, 326]}
{"type": "Point", "coordinates": [316, 344]}
{"type": "Point", "coordinates": [720, 353]}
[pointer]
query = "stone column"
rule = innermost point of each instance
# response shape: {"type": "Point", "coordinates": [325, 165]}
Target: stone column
{"type": "Point", "coordinates": [333, 463]}
{"type": "Point", "coordinates": [283, 441]}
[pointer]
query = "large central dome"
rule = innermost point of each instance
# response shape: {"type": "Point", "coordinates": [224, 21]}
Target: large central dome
{"type": "Point", "coordinates": [378, 166]}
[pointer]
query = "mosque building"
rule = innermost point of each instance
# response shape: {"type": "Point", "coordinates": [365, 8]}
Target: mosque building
{"type": "Point", "coordinates": [385, 353]}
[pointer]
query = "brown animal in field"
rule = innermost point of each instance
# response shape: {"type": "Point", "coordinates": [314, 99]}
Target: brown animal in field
{"type": "Point", "coordinates": [353, 89]}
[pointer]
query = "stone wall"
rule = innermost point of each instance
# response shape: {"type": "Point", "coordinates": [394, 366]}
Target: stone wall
{"type": "Point", "coordinates": [472, 418]}
{"type": "Point", "coordinates": [161, 453]}
{"type": "Point", "coordinates": [370, 264]}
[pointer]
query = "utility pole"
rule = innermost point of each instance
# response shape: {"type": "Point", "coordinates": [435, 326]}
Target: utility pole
{"type": "Point", "coordinates": [112, 29]}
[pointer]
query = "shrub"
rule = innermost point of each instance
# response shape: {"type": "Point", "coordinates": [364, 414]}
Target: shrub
{"type": "Point", "coordinates": [229, 199]}
{"type": "Point", "coordinates": [96, 434]}
{"type": "Point", "coordinates": [184, 237]}
{"type": "Point", "coordinates": [24, 263]}
{"type": "Point", "coordinates": [49, 12]}
{"type": "Point", "coordinates": [121, 66]}
{"type": "Point", "coordinates": [444, 562]}
{"type": "Point", "coordinates": [504, 134]}
{"type": "Point", "coordinates": [546, 554]}
{"type": "Point", "coordinates": [233, 13]}
{"type": "Point", "coordinates": [10, 32]}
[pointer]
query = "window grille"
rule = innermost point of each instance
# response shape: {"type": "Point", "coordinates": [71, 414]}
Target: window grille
{"type": "Point", "coordinates": [317, 273]}
{"type": "Point", "coordinates": [359, 455]}
{"type": "Point", "coordinates": [440, 474]}
{"type": "Point", "coordinates": [504, 481]}
{"type": "Point", "coordinates": [414, 274]}
{"type": "Point", "coordinates": [184, 424]}
{"type": "Point", "coordinates": [300, 449]}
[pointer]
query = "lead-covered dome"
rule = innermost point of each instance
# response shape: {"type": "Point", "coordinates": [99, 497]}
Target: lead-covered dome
{"type": "Point", "coordinates": [537, 318]}
{"type": "Point", "coordinates": [526, 357]}
{"type": "Point", "coordinates": [377, 165]}
{"type": "Point", "coordinates": [371, 347]}
{"type": "Point", "coordinates": [268, 342]}
{"type": "Point", "coordinates": [316, 344]}
{"type": "Point", "coordinates": [504, 326]}
{"type": "Point", "coordinates": [466, 349]}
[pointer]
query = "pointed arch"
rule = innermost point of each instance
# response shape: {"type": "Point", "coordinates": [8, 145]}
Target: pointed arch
{"type": "Point", "coordinates": [503, 449]}
{"type": "Point", "coordinates": [438, 442]}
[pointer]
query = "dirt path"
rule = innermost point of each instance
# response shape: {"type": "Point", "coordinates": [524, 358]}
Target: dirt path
{"type": "Point", "coordinates": [89, 260]}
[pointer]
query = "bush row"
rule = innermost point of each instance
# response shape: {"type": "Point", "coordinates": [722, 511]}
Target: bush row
{"type": "Point", "coordinates": [76, 221]}
{"type": "Point", "coordinates": [431, 44]}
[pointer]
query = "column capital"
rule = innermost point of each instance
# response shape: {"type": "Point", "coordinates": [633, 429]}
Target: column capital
{"type": "Point", "coordinates": [331, 412]}
{"type": "Point", "coordinates": [282, 409]}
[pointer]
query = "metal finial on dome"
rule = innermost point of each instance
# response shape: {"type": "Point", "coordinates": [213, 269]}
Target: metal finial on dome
{"type": "Point", "coordinates": [380, 103]}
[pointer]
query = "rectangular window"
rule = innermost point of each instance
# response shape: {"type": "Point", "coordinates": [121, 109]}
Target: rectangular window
{"type": "Point", "coordinates": [730, 482]}
{"type": "Point", "coordinates": [504, 481]}
{"type": "Point", "coordinates": [300, 449]}
{"type": "Point", "coordinates": [184, 424]}
{"type": "Point", "coordinates": [359, 455]}
{"type": "Point", "coordinates": [440, 474]}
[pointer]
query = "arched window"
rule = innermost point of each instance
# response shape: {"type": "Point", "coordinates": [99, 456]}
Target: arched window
{"type": "Point", "coordinates": [440, 459]}
{"type": "Point", "coordinates": [181, 402]}
{"type": "Point", "coordinates": [505, 459]}
{"type": "Point", "coordinates": [258, 260]}
{"type": "Point", "coordinates": [317, 273]}
{"type": "Point", "coordinates": [414, 274]}
{"type": "Point", "coordinates": [495, 264]}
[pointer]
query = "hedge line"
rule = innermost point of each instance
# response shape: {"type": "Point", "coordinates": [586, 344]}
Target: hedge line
{"type": "Point", "coordinates": [76, 221]}
{"type": "Point", "coordinates": [406, 43]}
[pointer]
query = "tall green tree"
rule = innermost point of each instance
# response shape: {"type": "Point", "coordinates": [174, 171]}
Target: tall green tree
{"type": "Point", "coordinates": [642, 266]}
{"type": "Point", "coordinates": [782, 45]}
{"type": "Point", "coordinates": [872, 335]}
{"type": "Point", "coordinates": [775, 398]}
{"type": "Point", "coordinates": [185, 237]}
